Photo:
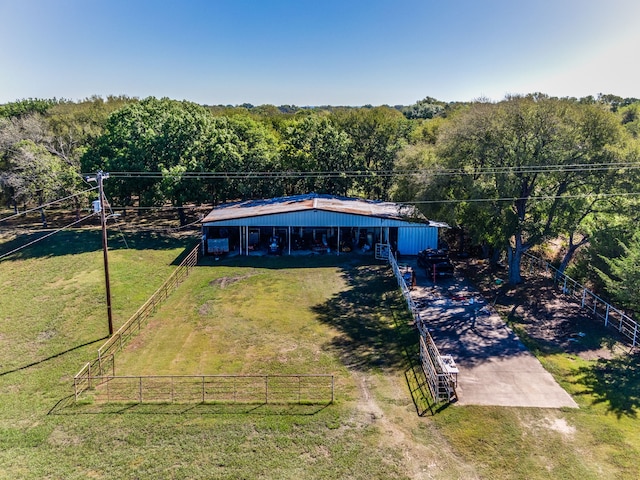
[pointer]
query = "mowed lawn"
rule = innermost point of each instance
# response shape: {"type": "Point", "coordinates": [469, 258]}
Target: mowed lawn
{"type": "Point", "coordinates": [242, 320]}
{"type": "Point", "coordinates": [274, 315]}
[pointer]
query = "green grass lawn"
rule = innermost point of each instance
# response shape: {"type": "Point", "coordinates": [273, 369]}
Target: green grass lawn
{"type": "Point", "coordinates": [287, 315]}
{"type": "Point", "coordinates": [240, 320]}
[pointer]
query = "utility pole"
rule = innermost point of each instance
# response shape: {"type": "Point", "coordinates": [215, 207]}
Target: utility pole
{"type": "Point", "coordinates": [100, 176]}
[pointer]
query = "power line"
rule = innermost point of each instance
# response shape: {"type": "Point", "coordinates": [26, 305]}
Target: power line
{"type": "Point", "coordinates": [158, 207]}
{"type": "Point", "coordinates": [47, 204]}
{"type": "Point", "coordinates": [45, 236]}
{"type": "Point", "coordinates": [235, 175]}
{"type": "Point", "coordinates": [512, 199]}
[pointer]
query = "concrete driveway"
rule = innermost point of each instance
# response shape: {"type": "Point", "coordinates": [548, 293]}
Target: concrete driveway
{"type": "Point", "coordinates": [495, 367]}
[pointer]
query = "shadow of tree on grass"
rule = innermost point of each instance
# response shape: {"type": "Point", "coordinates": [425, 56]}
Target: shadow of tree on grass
{"type": "Point", "coordinates": [614, 382]}
{"type": "Point", "coordinates": [77, 241]}
{"type": "Point", "coordinates": [51, 357]}
{"type": "Point", "coordinates": [376, 331]}
{"type": "Point", "coordinates": [364, 315]}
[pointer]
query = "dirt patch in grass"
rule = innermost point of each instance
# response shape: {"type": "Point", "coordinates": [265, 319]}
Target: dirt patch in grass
{"type": "Point", "coordinates": [225, 282]}
{"type": "Point", "coordinates": [545, 319]}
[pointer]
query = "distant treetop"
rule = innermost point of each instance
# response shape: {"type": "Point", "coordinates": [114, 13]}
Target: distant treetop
{"type": "Point", "coordinates": [30, 105]}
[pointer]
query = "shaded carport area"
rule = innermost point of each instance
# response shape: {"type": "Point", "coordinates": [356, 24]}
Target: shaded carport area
{"type": "Point", "coordinates": [495, 368]}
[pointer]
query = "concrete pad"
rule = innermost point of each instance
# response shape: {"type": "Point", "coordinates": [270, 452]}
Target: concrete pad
{"type": "Point", "coordinates": [495, 367]}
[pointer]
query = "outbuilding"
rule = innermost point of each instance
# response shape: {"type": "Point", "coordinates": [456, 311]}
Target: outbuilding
{"type": "Point", "coordinates": [316, 222]}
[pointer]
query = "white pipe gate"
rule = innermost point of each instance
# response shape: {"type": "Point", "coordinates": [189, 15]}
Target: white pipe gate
{"type": "Point", "coordinates": [441, 381]}
{"type": "Point", "coordinates": [611, 316]}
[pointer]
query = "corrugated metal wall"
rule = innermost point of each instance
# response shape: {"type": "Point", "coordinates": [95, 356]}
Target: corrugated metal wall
{"type": "Point", "coordinates": [413, 239]}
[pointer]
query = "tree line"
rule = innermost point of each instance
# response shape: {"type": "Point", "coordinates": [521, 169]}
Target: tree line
{"type": "Point", "coordinates": [513, 174]}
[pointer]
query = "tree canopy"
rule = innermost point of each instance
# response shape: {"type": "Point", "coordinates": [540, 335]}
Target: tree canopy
{"type": "Point", "coordinates": [512, 174]}
{"type": "Point", "coordinates": [526, 170]}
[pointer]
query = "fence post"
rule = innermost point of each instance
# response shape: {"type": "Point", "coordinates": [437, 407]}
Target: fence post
{"type": "Point", "coordinates": [332, 388]}
{"type": "Point", "coordinates": [635, 335]}
{"type": "Point", "coordinates": [606, 316]}
{"type": "Point", "coordinates": [140, 390]}
{"type": "Point", "coordinates": [584, 297]}
{"type": "Point", "coordinates": [266, 389]}
{"type": "Point", "coordinates": [203, 389]}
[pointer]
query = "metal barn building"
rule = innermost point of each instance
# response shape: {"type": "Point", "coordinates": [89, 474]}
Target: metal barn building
{"type": "Point", "coordinates": [322, 223]}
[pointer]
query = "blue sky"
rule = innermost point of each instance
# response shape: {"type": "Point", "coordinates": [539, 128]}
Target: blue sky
{"type": "Point", "coordinates": [318, 52]}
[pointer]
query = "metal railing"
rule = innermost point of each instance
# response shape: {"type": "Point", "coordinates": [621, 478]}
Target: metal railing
{"type": "Point", "coordinates": [252, 389]}
{"type": "Point", "coordinates": [85, 379]}
{"type": "Point", "coordinates": [441, 382]}
{"type": "Point", "coordinates": [131, 326]}
{"type": "Point", "coordinates": [104, 364]}
{"type": "Point", "coordinates": [611, 316]}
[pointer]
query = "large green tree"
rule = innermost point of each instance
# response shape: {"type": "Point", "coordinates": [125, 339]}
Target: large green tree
{"type": "Point", "coordinates": [315, 157]}
{"type": "Point", "coordinates": [259, 159]}
{"type": "Point", "coordinates": [527, 169]}
{"type": "Point", "coordinates": [159, 150]}
{"type": "Point", "coordinates": [145, 138]}
{"type": "Point", "coordinates": [29, 172]}
{"type": "Point", "coordinates": [621, 279]}
{"type": "Point", "coordinates": [376, 136]}
{"type": "Point", "coordinates": [35, 176]}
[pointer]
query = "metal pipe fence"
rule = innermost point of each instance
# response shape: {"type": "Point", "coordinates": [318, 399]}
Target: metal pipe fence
{"type": "Point", "coordinates": [249, 389]}
{"type": "Point", "coordinates": [133, 325]}
{"type": "Point", "coordinates": [104, 364]}
{"type": "Point", "coordinates": [441, 382]}
{"type": "Point", "coordinates": [85, 379]}
{"type": "Point", "coordinates": [610, 315]}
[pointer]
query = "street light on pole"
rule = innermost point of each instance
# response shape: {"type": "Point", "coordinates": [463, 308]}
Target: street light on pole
{"type": "Point", "coordinates": [100, 176]}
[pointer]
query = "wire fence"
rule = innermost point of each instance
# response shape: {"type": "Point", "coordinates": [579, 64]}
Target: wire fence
{"type": "Point", "coordinates": [611, 316]}
{"type": "Point", "coordinates": [441, 376]}
{"type": "Point", "coordinates": [188, 389]}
